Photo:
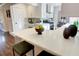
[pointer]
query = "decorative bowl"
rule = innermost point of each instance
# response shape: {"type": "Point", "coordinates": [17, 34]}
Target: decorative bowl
{"type": "Point", "coordinates": [39, 29]}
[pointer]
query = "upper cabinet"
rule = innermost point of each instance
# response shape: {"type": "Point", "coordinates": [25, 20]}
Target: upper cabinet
{"type": "Point", "coordinates": [34, 11]}
{"type": "Point", "coordinates": [47, 10]}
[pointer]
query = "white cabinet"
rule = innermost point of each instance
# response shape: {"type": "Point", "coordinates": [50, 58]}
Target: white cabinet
{"type": "Point", "coordinates": [34, 11]}
{"type": "Point", "coordinates": [47, 10]}
{"type": "Point", "coordinates": [18, 15]}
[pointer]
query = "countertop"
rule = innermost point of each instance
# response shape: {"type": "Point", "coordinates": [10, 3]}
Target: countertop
{"type": "Point", "coordinates": [51, 41]}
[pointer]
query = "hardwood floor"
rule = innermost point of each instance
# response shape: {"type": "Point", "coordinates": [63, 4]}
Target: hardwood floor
{"type": "Point", "coordinates": [6, 42]}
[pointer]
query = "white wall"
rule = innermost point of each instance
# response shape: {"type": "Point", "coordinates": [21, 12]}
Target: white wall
{"type": "Point", "coordinates": [7, 26]}
{"type": "Point", "coordinates": [4, 18]}
{"type": "Point", "coordinates": [1, 21]}
{"type": "Point", "coordinates": [7, 20]}
{"type": "Point", "coordinates": [70, 9]}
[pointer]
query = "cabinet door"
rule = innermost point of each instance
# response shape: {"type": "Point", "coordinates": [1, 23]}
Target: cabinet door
{"type": "Point", "coordinates": [47, 10]}
{"type": "Point", "coordinates": [18, 13]}
{"type": "Point", "coordinates": [34, 11]}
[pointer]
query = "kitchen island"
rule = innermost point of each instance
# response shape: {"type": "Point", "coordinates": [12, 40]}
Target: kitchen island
{"type": "Point", "coordinates": [51, 41]}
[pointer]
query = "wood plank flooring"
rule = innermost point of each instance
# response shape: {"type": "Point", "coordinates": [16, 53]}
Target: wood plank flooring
{"type": "Point", "coordinates": [6, 42]}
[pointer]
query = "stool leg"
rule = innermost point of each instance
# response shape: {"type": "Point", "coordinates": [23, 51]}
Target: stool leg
{"type": "Point", "coordinates": [33, 52]}
{"type": "Point", "coordinates": [13, 52]}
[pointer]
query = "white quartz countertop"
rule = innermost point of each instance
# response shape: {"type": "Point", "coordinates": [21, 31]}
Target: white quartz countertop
{"type": "Point", "coordinates": [51, 41]}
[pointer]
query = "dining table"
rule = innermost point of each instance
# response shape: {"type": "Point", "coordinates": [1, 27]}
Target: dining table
{"type": "Point", "coordinates": [51, 41]}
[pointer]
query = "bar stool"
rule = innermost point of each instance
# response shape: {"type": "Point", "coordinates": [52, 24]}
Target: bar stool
{"type": "Point", "coordinates": [22, 48]}
{"type": "Point", "coordinates": [44, 53]}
